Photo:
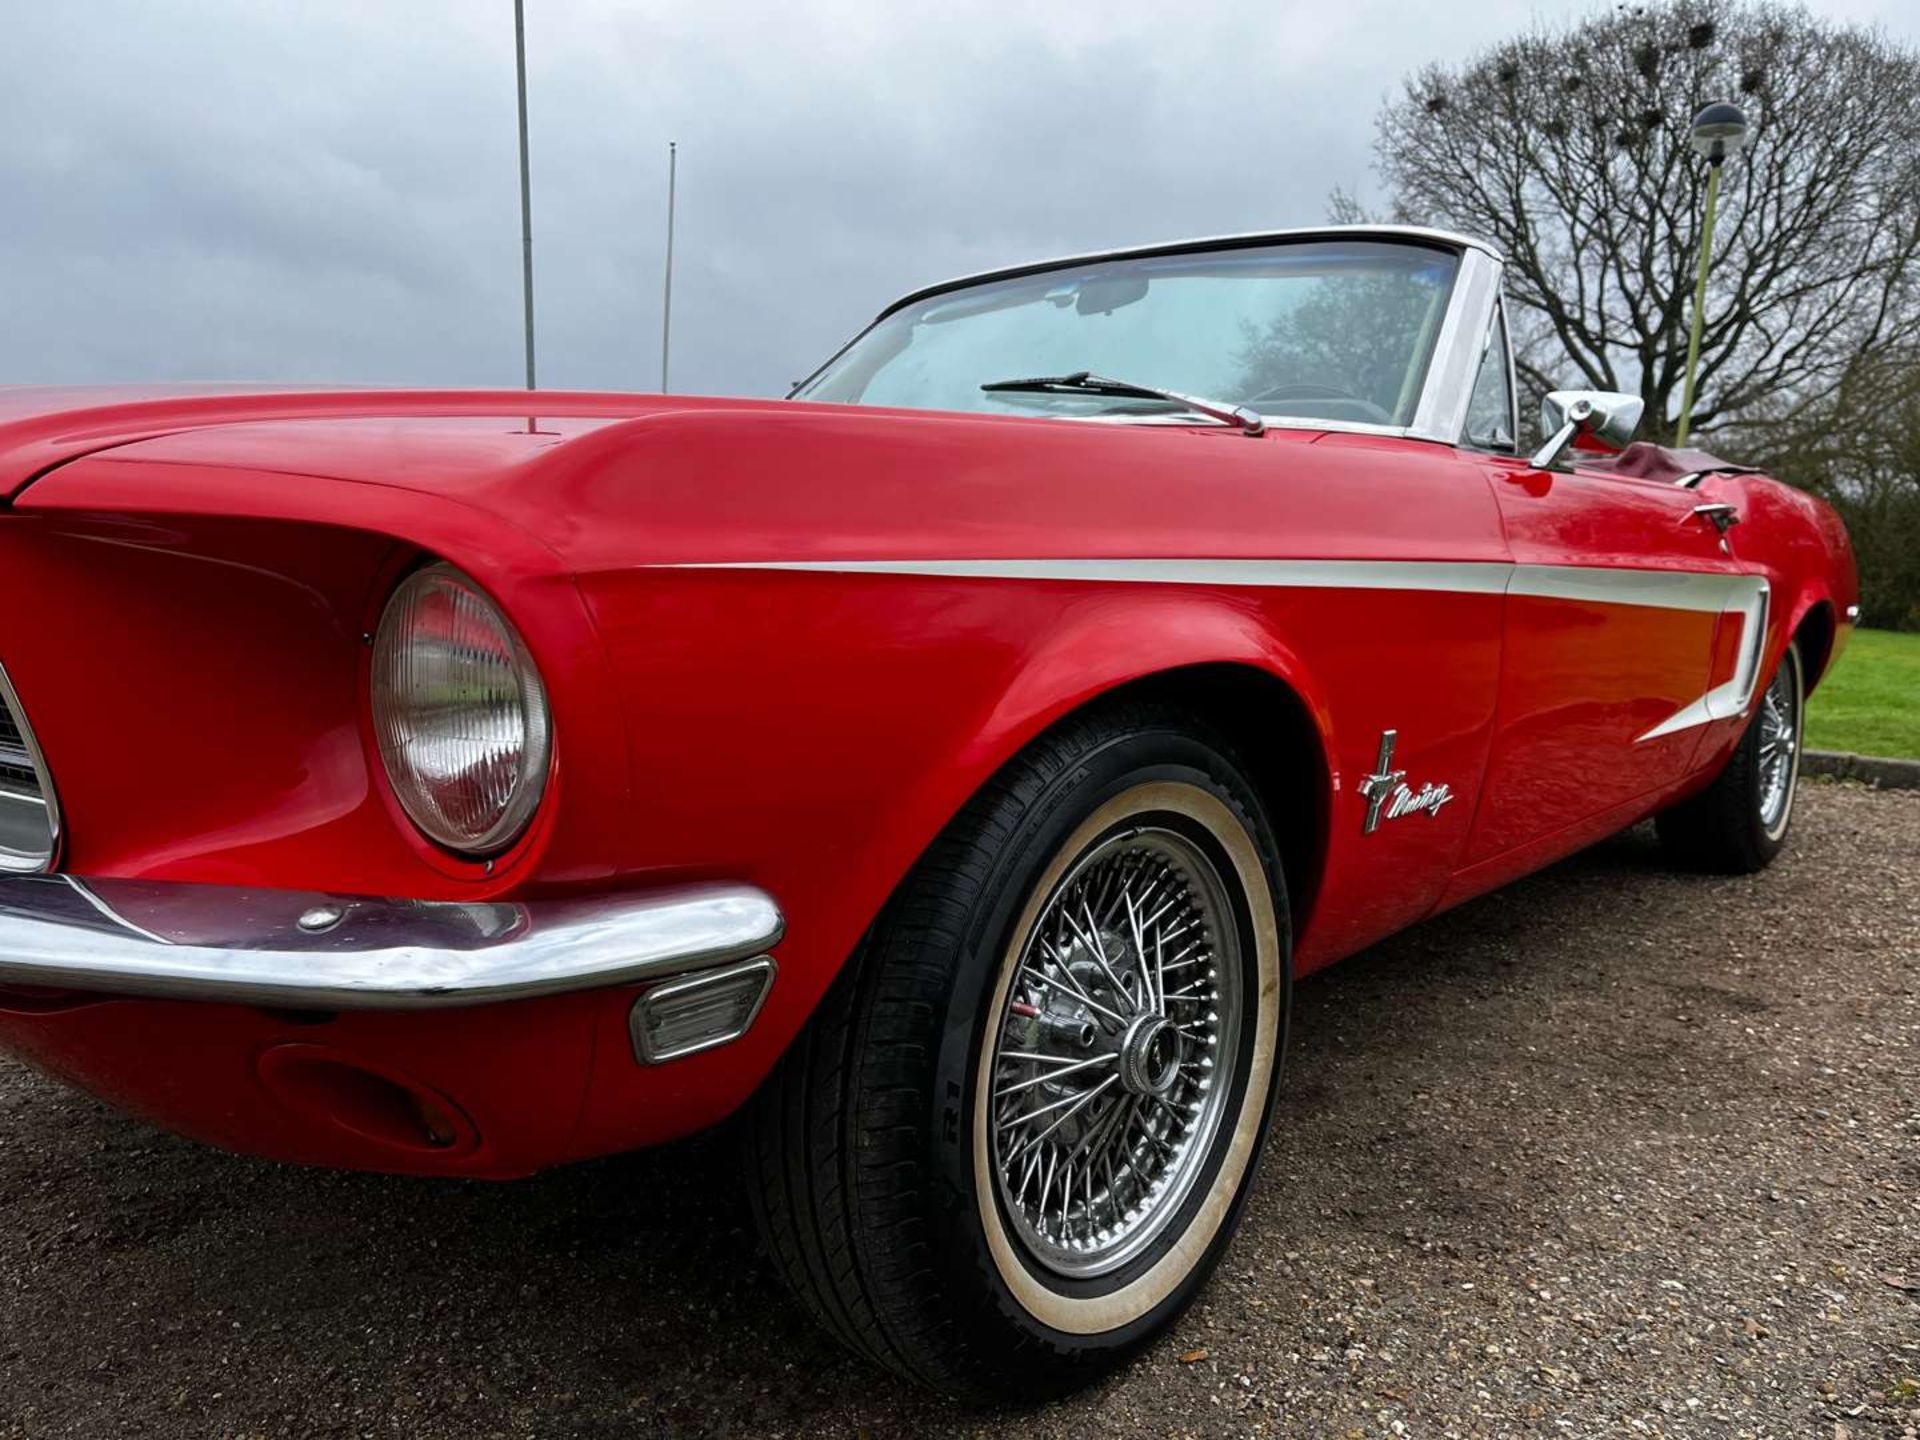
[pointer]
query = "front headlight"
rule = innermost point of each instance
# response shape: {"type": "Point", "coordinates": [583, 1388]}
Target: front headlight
{"type": "Point", "coordinates": [459, 712]}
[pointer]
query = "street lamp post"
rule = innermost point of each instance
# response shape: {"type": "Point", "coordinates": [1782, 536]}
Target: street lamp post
{"type": "Point", "coordinates": [1718, 131]}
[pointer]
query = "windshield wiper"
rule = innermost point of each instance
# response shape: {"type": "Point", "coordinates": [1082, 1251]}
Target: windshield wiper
{"type": "Point", "coordinates": [1082, 382]}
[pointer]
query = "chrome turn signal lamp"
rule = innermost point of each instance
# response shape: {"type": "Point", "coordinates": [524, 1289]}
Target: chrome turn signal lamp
{"type": "Point", "coordinates": [713, 1007]}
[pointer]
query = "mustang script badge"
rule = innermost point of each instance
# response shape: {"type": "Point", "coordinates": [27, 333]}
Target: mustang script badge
{"type": "Point", "coordinates": [1389, 796]}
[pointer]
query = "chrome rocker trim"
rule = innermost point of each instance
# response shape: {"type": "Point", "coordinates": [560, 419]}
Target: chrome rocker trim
{"type": "Point", "coordinates": [302, 950]}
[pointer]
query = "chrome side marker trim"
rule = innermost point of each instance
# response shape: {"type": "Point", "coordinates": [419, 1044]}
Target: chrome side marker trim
{"type": "Point", "coordinates": [701, 1012]}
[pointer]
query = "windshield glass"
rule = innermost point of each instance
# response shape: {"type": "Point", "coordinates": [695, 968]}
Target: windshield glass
{"type": "Point", "coordinates": [1318, 330]}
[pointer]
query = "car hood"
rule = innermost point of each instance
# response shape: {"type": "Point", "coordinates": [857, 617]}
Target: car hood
{"type": "Point", "coordinates": [612, 481]}
{"type": "Point", "coordinates": [342, 433]}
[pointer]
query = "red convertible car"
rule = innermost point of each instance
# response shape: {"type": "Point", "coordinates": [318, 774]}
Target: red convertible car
{"type": "Point", "coordinates": [951, 767]}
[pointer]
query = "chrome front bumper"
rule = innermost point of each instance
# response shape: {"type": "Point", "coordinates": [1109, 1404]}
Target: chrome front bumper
{"type": "Point", "coordinates": [300, 950]}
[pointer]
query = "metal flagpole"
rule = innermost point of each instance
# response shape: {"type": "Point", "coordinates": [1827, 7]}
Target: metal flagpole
{"type": "Point", "coordinates": [666, 303]}
{"type": "Point", "coordinates": [526, 186]}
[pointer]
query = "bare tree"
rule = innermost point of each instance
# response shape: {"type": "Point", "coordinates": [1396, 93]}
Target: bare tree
{"type": "Point", "coordinates": [1343, 350]}
{"type": "Point", "coordinates": [1859, 447]}
{"type": "Point", "coordinates": [1567, 148]}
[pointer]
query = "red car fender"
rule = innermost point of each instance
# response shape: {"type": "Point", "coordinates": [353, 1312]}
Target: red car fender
{"type": "Point", "coordinates": [1139, 635]}
{"type": "Point", "coordinates": [1132, 636]}
{"type": "Point", "coordinates": [1168, 631]}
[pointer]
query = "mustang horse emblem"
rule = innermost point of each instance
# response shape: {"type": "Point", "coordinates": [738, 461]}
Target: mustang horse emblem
{"type": "Point", "coordinates": [1389, 796]}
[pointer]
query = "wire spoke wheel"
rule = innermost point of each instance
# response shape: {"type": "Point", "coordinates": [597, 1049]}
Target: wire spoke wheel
{"type": "Point", "coordinates": [1050, 1069]}
{"type": "Point", "coordinates": [1114, 1050]}
{"type": "Point", "coordinates": [1779, 722]}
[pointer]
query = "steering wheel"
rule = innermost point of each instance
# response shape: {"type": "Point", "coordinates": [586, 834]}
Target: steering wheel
{"type": "Point", "coordinates": [1366, 409]}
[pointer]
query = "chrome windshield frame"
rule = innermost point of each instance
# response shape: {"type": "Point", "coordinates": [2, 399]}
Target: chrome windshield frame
{"type": "Point", "coordinates": [1447, 391]}
{"type": "Point", "coordinates": [1440, 415]}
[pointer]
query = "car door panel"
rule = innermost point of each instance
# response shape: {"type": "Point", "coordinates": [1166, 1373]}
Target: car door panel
{"type": "Point", "coordinates": [1611, 625]}
{"type": "Point", "coordinates": [1417, 654]}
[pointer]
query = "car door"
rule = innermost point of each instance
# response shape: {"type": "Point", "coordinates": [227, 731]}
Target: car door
{"type": "Point", "coordinates": [1613, 615]}
{"type": "Point", "coordinates": [1619, 596]}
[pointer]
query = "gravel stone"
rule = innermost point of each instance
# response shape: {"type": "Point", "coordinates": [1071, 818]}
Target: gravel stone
{"type": "Point", "coordinates": [1615, 1152]}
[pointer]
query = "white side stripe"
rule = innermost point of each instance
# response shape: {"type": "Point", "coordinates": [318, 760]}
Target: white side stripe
{"type": "Point", "coordinates": [1723, 702]}
{"type": "Point", "coordinates": [1471, 577]}
{"type": "Point", "coordinates": [1711, 592]}
{"type": "Point", "coordinates": [1708, 591]}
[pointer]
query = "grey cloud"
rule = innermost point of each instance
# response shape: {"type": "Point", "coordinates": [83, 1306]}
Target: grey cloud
{"type": "Point", "coordinates": [237, 190]}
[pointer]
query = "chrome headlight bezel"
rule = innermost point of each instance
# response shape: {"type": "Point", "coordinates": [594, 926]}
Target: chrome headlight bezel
{"type": "Point", "coordinates": [469, 773]}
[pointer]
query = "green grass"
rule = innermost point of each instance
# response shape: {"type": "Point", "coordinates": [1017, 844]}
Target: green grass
{"type": "Point", "coordinates": [1870, 701]}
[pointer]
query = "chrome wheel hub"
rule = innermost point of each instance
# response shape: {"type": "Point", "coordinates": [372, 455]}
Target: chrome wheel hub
{"type": "Point", "coordinates": [1114, 1051]}
{"type": "Point", "coordinates": [1150, 1056]}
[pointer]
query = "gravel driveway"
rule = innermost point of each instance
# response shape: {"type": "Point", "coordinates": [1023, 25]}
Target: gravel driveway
{"type": "Point", "coordinates": [1614, 1152]}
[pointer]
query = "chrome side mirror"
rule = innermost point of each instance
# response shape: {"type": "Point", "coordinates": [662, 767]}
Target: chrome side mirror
{"type": "Point", "coordinates": [1606, 415]}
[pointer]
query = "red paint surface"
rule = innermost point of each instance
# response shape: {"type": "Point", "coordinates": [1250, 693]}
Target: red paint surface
{"type": "Point", "coordinates": [187, 591]}
{"type": "Point", "coordinates": [1584, 680]}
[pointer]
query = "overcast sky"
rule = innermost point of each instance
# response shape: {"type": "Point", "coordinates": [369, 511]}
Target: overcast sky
{"type": "Point", "coordinates": [252, 190]}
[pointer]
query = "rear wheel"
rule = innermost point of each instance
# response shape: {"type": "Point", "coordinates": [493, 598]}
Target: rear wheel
{"type": "Point", "coordinates": [1016, 1137]}
{"type": "Point", "coordinates": [1739, 822]}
